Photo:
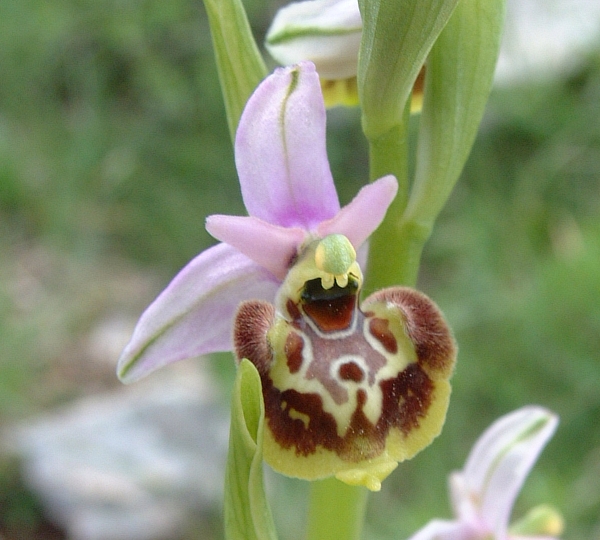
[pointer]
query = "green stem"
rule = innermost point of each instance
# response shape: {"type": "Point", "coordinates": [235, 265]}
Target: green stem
{"type": "Point", "coordinates": [336, 510]}
{"type": "Point", "coordinates": [395, 255]}
{"type": "Point", "coordinates": [396, 246]}
{"type": "Point", "coordinates": [388, 154]}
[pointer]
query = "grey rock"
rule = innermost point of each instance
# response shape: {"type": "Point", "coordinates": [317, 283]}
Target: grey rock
{"type": "Point", "coordinates": [132, 464]}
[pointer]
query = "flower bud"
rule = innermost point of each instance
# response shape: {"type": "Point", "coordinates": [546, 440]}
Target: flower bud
{"type": "Point", "coordinates": [326, 32]}
{"type": "Point", "coordinates": [542, 520]}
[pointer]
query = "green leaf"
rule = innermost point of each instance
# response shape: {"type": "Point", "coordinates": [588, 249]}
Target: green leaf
{"type": "Point", "coordinates": [246, 510]}
{"type": "Point", "coordinates": [459, 76]}
{"type": "Point", "coordinates": [341, 519]}
{"type": "Point", "coordinates": [239, 62]}
{"type": "Point", "coordinates": [460, 70]}
{"type": "Point", "coordinates": [397, 37]}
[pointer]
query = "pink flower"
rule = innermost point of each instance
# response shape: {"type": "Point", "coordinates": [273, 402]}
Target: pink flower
{"type": "Point", "coordinates": [288, 190]}
{"type": "Point", "coordinates": [484, 492]}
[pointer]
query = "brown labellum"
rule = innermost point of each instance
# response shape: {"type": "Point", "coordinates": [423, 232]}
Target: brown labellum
{"type": "Point", "coordinates": [348, 389]}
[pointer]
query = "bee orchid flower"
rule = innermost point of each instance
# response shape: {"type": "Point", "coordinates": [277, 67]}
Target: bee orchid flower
{"type": "Point", "coordinates": [350, 388]}
{"type": "Point", "coordinates": [288, 191]}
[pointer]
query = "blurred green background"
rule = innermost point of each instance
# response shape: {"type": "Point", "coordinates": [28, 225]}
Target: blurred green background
{"type": "Point", "coordinates": [113, 150]}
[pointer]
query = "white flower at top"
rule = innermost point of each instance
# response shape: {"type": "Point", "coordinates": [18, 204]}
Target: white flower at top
{"type": "Point", "coordinates": [326, 32]}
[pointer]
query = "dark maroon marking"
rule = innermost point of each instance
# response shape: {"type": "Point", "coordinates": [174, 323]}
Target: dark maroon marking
{"type": "Point", "coordinates": [406, 397]}
{"type": "Point", "coordinates": [351, 371]}
{"type": "Point", "coordinates": [294, 344]}
{"type": "Point", "coordinates": [331, 315]}
{"type": "Point", "coordinates": [425, 326]}
{"type": "Point", "coordinates": [252, 322]}
{"type": "Point", "coordinates": [379, 328]}
{"type": "Point", "coordinates": [293, 310]}
{"type": "Point", "coordinates": [292, 432]}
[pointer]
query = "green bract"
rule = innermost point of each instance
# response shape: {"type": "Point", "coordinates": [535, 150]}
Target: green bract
{"type": "Point", "coordinates": [246, 510]}
{"type": "Point", "coordinates": [240, 65]}
{"type": "Point", "coordinates": [397, 36]}
{"type": "Point", "coordinates": [460, 70]}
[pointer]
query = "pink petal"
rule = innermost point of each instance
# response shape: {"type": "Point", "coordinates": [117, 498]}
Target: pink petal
{"type": "Point", "coordinates": [270, 246]}
{"type": "Point", "coordinates": [501, 460]}
{"type": "Point", "coordinates": [464, 503]}
{"type": "Point", "coordinates": [194, 314]}
{"type": "Point", "coordinates": [513, 537]}
{"type": "Point", "coordinates": [365, 212]}
{"type": "Point", "coordinates": [438, 529]}
{"type": "Point", "coordinates": [536, 537]}
{"type": "Point", "coordinates": [280, 151]}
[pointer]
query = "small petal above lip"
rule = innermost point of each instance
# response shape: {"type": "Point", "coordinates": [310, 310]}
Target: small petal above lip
{"type": "Point", "coordinates": [358, 219]}
{"type": "Point", "coordinates": [326, 32]}
{"type": "Point", "coordinates": [271, 246]}
{"type": "Point", "coordinates": [274, 247]}
{"type": "Point", "coordinates": [193, 315]}
{"type": "Point", "coordinates": [281, 154]}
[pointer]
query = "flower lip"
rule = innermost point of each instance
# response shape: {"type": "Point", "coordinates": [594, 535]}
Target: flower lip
{"type": "Point", "coordinates": [349, 391]}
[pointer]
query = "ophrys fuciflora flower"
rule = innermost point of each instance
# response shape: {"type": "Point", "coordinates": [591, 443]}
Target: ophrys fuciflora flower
{"type": "Point", "coordinates": [290, 196]}
{"type": "Point", "coordinates": [348, 391]}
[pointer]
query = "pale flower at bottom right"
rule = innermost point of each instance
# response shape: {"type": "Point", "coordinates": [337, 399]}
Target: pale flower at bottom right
{"type": "Point", "coordinates": [484, 492]}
